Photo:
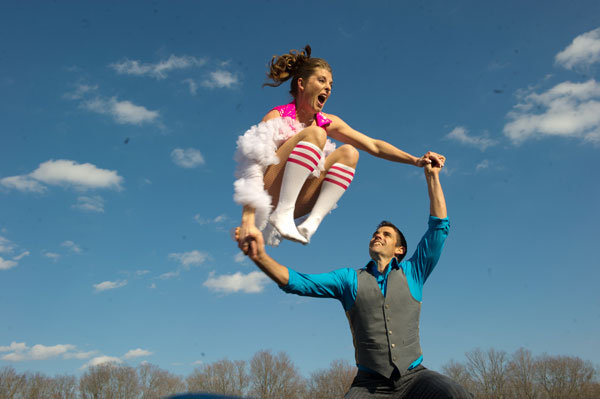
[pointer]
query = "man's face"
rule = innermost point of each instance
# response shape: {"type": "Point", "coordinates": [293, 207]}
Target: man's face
{"type": "Point", "coordinates": [383, 243]}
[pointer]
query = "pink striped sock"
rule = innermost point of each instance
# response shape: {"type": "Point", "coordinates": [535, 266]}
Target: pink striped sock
{"type": "Point", "coordinates": [303, 159]}
{"type": "Point", "coordinates": [336, 181]}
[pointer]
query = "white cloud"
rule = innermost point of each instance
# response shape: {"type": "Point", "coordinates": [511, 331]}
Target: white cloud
{"type": "Point", "coordinates": [94, 203]}
{"type": "Point", "coordinates": [250, 283]}
{"type": "Point", "coordinates": [157, 70]}
{"type": "Point", "coordinates": [19, 257]}
{"type": "Point", "coordinates": [568, 110]}
{"type": "Point", "coordinates": [192, 85]}
{"type": "Point", "coordinates": [64, 172]}
{"type": "Point", "coordinates": [82, 176]}
{"type": "Point", "coordinates": [81, 90]}
{"type": "Point", "coordinates": [135, 353]}
{"type": "Point", "coordinates": [123, 112]}
{"type": "Point", "coordinates": [240, 257]}
{"type": "Point", "coordinates": [461, 135]}
{"type": "Point", "coordinates": [192, 258]}
{"type": "Point", "coordinates": [14, 347]}
{"type": "Point", "coordinates": [52, 255]}
{"type": "Point", "coordinates": [485, 164]}
{"type": "Point", "coordinates": [220, 79]}
{"type": "Point", "coordinates": [188, 158]}
{"type": "Point", "coordinates": [583, 51]}
{"type": "Point", "coordinates": [6, 246]}
{"type": "Point", "coordinates": [197, 363]}
{"type": "Point", "coordinates": [19, 351]}
{"type": "Point", "coordinates": [71, 245]}
{"type": "Point", "coordinates": [153, 286]}
{"type": "Point", "coordinates": [101, 360]}
{"type": "Point", "coordinates": [219, 219]}
{"type": "Point", "coordinates": [23, 183]}
{"type": "Point", "coordinates": [38, 352]}
{"type": "Point", "coordinates": [109, 285]}
{"type": "Point", "coordinates": [141, 272]}
{"type": "Point", "coordinates": [168, 275]}
{"type": "Point", "coordinates": [6, 264]}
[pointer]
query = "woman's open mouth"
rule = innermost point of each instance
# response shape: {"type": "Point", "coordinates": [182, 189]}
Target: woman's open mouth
{"type": "Point", "coordinates": [321, 99]}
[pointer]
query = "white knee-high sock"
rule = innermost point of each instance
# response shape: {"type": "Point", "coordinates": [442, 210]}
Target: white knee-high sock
{"type": "Point", "coordinates": [337, 180]}
{"type": "Point", "coordinates": [303, 159]}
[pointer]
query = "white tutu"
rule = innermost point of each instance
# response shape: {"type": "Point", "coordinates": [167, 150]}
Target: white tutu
{"type": "Point", "coordinates": [256, 150]}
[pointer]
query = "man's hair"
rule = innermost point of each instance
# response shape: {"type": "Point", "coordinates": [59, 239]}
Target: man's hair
{"type": "Point", "coordinates": [400, 240]}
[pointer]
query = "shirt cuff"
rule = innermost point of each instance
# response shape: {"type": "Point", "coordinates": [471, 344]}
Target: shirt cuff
{"type": "Point", "coordinates": [438, 223]}
{"type": "Point", "coordinates": [293, 277]}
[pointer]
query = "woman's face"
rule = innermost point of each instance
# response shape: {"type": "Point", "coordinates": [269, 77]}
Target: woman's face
{"type": "Point", "coordinates": [315, 91]}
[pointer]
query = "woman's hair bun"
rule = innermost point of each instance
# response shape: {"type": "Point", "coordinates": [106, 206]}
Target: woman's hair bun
{"type": "Point", "coordinates": [284, 67]}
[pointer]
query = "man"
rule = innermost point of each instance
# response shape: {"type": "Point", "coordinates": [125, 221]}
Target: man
{"type": "Point", "coordinates": [382, 303]}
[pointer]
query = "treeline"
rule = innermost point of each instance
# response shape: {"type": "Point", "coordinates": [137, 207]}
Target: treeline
{"type": "Point", "coordinates": [265, 376]}
{"type": "Point", "coordinates": [491, 374]}
{"type": "Point", "coordinates": [495, 374]}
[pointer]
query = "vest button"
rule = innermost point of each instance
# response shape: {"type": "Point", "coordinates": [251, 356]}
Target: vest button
{"type": "Point", "coordinates": [390, 332]}
{"type": "Point", "coordinates": [393, 345]}
{"type": "Point", "coordinates": [387, 306]}
{"type": "Point", "coordinates": [394, 358]}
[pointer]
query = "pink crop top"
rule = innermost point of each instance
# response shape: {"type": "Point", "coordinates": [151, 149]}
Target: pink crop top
{"type": "Point", "coordinates": [289, 110]}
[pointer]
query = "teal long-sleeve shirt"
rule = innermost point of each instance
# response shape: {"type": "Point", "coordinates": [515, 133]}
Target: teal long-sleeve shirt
{"type": "Point", "coordinates": [342, 284]}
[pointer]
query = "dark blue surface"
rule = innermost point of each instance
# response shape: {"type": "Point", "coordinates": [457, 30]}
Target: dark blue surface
{"type": "Point", "coordinates": [202, 396]}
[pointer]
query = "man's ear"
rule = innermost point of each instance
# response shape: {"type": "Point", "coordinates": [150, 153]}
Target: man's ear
{"type": "Point", "coordinates": [399, 251]}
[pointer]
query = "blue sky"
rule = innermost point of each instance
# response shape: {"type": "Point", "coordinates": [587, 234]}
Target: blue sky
{"type": "Point", "coordinates": [118, 128]}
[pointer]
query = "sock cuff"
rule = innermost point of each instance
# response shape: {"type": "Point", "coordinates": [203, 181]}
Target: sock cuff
{"type": "Point", "coordinates": [340, 174]}
{"type": "Point", "coordinates": [306, 154]}
{"type": "Point", "coordinates": [310, 147]}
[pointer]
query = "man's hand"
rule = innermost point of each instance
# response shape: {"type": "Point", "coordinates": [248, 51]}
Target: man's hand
{"type": "Point", "coordinates": [250, 241]}
{"type": "Point", "coordinates": [433, 159]}
{"type": "Point", "coordinates": [253, 245]}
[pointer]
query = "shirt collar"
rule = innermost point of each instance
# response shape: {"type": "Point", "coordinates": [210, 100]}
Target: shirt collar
{"type": "Point", "coordinates": [372, 267]}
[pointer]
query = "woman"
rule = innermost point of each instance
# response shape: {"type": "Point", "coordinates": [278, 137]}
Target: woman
{"type": "Point", "coordinates": [298, 133]}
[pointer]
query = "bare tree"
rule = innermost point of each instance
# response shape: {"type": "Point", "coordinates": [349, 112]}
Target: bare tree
{"type": "Point", "coordinates": [521, 370]}
{"type": "Point", "coordinates": [37, 385]}
{"type": "Point", "coordinates": [489, 373]}
{"type": "Point", "coordinates": [224, 377]}
{"type": "Point", "coordinates": [459, 373]}
{"type": "Point", "coordinates": [63, 387]}
{"type": "Point", "coordinates": [274, 377]}
{"type": "Point", "coordinates": [563, 376]}
{"type": "Point", "coordinates": [109, 381]}
{"type": "Point", "coordinates": [331, 383]}
{"type": "Point", "coordinates": [11, 383]}
{"type": "Point", "coordinates": [156, 383]}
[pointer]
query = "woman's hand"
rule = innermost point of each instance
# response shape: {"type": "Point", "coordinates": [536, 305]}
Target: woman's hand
{"type": "Point", "coordinates": [244, 234]}
{"type": "Point", "coordinates": [431, 158]}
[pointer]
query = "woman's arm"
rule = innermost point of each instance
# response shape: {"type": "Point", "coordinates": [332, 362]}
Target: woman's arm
{"type": "Point", "coordinates": [341, 131]}
{"type": "Point", "coordinates": [247, 224]}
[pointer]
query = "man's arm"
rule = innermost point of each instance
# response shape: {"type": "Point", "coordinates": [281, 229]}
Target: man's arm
{"type": "Point", "coordinates": [339, 284]}
{"type": "Point", "coordinates": [254, 246]}
{"type": "Point", "coordinates": [437, 202]}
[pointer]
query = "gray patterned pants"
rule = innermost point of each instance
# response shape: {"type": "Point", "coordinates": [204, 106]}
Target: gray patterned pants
{"type": "Point", "coordinates": [418, 383]}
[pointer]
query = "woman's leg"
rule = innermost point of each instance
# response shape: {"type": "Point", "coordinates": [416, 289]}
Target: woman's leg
{"type": "Point", "coordinates": [303, 153]}
{"type": "Point", "coordinates": [340, 167]}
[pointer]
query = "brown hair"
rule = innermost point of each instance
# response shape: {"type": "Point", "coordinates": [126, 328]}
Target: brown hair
{"type": "Point", "coordinates": [400, 240]}
{"type": "Point", "coordinates": [295, 65]}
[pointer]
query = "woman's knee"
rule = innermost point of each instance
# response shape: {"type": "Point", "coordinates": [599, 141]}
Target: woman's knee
{"type": "Point", "coordinates": [315, 135]}
{"type": "Point", "coordinates": [348, 154]}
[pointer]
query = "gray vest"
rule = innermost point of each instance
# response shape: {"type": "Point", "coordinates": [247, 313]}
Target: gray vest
{"type": "Point", "coordinates": [385, 330]}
